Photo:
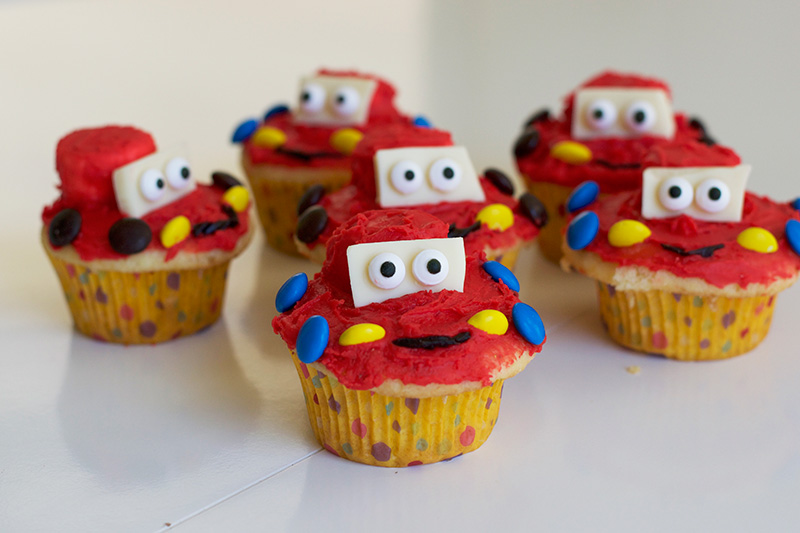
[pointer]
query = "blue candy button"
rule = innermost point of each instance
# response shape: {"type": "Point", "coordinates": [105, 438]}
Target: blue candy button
{"type": "Point", "coordinates": [291, 291]}
{"type": "Point", "coordinates": [793, 235]}
{"type": "Point", "coordinates": [582, 230]}
{"type": "Point", "coordinates": [279, 109]}
{"type": "Point", "coordinates": [583, 195]}
{"type": "Point", "coordinates": [422, 122]}
{"type": "Point", "coordinates": [244, 130]}
{"type": "Point", "coordinates": [312, 339]}
{"type": "Point", "coordinates": [500, 272]}
{"type": "Point", "coordinates": [528, 323]}
{"type": "Point", "coordinates": [796, 204]}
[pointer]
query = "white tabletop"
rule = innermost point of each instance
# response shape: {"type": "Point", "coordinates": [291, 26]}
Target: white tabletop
{"type": "Point", "coordinates": [209, 433]}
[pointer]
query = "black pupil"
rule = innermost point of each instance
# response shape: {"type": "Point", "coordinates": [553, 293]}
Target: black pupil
{"type": "Point", "coordinates": [388, 269]}
{"type": "Point", "coordinates": [185, 173]}
{"type": "Point", "coordinates": [434, 266]}
{"type": "Point", "coordinates": [160, 183]}
{"type": "Point", "coordinates": [714, 193]}
{"type": "Point", "coordinates": [448, 172]}
{"type": "Point", "coordinates": [340, 99]}
{"type": "Point", "coordinates": [675, 192]}
{"type": "Point", "coordinates": [639, 117]}
{"type": "Point", "coordinates": [409, 175]}
{"type": "Point", "coordinates": [306, 96]}
{"type": "Point", "coordinates": [597, 113]}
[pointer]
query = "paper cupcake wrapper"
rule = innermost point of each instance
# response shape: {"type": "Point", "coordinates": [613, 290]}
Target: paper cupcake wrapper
{"type": "Point", "coordinates": [277, 198]}
{"type": "Point", "coordinates": [507, 257]}
{"type": "Point", "coordinates": [683, 326]}
{"type": "Point", "coordinates": [395, 432]}
{"type": "Point", "coordinates": [550, 236]}
{"type": "Point", "coordinates": [141, 307]}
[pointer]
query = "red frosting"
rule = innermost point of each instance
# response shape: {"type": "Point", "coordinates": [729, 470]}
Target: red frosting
{"type": "Point", "coordinates": [359, 195]}
{"type": "Point", "coordinates": [86, 160]}
{"type": "Point", "coordinates": [617, 163]}
{"type": "Point", "coordinates": [314, 139]}
{"type": "Point", "coordinates": [731, 264]}
{"type": "Point", "coordinates": [366, 366]}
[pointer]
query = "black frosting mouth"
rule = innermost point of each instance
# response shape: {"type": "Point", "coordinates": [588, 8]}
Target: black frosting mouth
{"type": "Point", "coordinates": [706, 251]}
{"type": "Point", "coordinates": [203, 229]}
{"type": "Point", "coordinates": [616, 166]}
{"type": "Point", "coordinates": [305, 156]}
{"type": "Point", "coordinates": [462, 232]}
{"type": "Point", "coordinates": [432, 341]}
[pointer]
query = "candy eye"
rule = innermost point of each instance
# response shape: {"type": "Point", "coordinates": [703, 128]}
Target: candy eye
{"type": "Point", "coordinates": [386, 270]}
{"type": "Point", "coordinates": [407, 176]}
{"type": "Point", "coordinates": [178, 173]}
{"type": "Point", "coordinates": [445, 174]}
{"type": "Point", "coordinates": [675, 194]}
{"type": "Point", "coordinates": [641, 116]}
{"type": "Point", "coordinates": [713, 195]}
{"type": "Point", "coordinates": [312, 97]}
{"type": "Point", "coordinates": [430, 267]}
{"type": "Point", "coordinates": [601, 114]}
{"type": "Point", "coordinates": [346, 101]}
{"type": "Point", "coordinates": [152, 184]}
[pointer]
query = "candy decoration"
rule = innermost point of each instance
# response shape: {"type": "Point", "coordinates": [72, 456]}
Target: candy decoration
{"type": "Point", "coordinates": [64, 227]}
{"type": "Point", "coordinates": [291, 291]}
{"type": "Point", "coordinates": [422, 122]}
{"type": "Point", "coordinates": [627, 233]}
{"type": "Point", "coordinates": [499, 272]}
{"type": "Point", "coordinates": [584, 194]}
{"type": "Point", "coordinates": [311, 224]}
{"type": "Point", "coordinates": [758, 240]}
{"type": "Point", "coordinates": [500, 181]}
{"type": "Point", "coordinates": [312, 339]}
{"type": "Point", "coordinates": [244, 130]}
{"type": "Point", "coordinates": [539, 116]}
{"type": "Point", "coordinates": [276, 110]}
{"type": "Point", "coordinates": [571, 152]}
{"type": "Point", "coordinates": [175, 231]}
{"type": "Point", "coordinates": [526, 143]}
{"type": "Point", "coordinates": [269, 137]}
{"type": "Point", "coordinates": [497, 216]}
{"type": "Point", "coordinates": [224, 181]}
{"type": "Point", "coordinates": [491, 321]}
{"type": "Point", "coordinates": [361, 334]}
{"type": "Point", "coordinates": [345, 140]}
{"type": "Point", "coordinates": [311, 197]}
{"type": "Point", "coordinates": [534, 209]}
{"type": "Point", "coordinates": [237, 197]}
{"type": "Point", "coordinates": [528, 323]}
{"type": "Point", "coordinates": [796, 204]}
{"type": "Point", "coordinates": [129, 236]}
{"type": "Point", "coordinates": [704, 138]}
{"type": "Point", "coordinates": [793, 235]}
{"type": "Point", "coordinates": [582, 230]}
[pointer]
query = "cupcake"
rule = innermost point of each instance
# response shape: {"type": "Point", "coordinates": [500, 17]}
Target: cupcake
{"type": "Point", "coordinates": [402, 342]}
{"type": "Point", "coordinates": [290, 151]}
{"type": "Point", "coordinates": [395, 167]}
{"type": "Point", "coordinates": [141, 249]}
{"type": "Point", "coordinates": [609, 124]}
{"type": "Point", "coordinates": [689, 265]}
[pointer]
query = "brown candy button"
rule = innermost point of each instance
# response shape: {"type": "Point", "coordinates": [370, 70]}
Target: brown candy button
{"type": "Point", "coordinates": [311, 224]}
{"type": "Point", "coordinates": [311, 197]}
{"type": "Point", "coordinates": [64, 227]}
{"type": "Point", "coordinates": [501, 182]}
{"type": "Point", "coordinates": [526, 143]}
{"type": "Point", "coordinates": [533, 208]}
{"type": "Point", "coordinates": [129, 236]}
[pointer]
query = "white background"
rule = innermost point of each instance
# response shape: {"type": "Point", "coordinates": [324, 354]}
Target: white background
{"type": "Point", "coordinates": [209, 433]}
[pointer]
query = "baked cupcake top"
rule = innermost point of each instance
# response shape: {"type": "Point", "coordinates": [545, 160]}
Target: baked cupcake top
{"type": "Point", "coordinates": [692, 223]}
{"type": "Point", "coordinates": [421, 169]}
{"type": "Point", "coordinates": [334, 108]}
{"type": "Point", "coordinates": [400, 308]}
{"type": "Point", "coordinates": [608, 126]}
{"type": "Point", "coordinates": [120, 198]}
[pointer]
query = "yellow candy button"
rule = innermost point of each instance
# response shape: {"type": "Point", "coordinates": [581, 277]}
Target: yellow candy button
{"type": "Point", "coordinates": [571, 152]}
{"type": "Point", "coordinates": [268, 137]}
{"type": "Point", "coordinates": [175, 231]}
{"type": "Point", "coordinates": [237, 197]}
{"type": "Point", "coordinates": [496, 216]}
{"type": "Point", "coordinates": [361, 333]}
{"type": "Point", "coordinates": [627, 233]}
{"type": "Point", "coordinates": [491, 321]}
{"type": "Point", "coordinates": [759, 240]}
{"type": "Point", "coordinates": [345, 140]}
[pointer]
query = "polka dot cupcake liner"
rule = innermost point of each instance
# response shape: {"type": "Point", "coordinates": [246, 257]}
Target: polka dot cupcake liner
{"type": "Point", "coordinates": [141, 307]}
{"type": "Point", "coordinates": [380, 430]}
{"type": "Point", "coordinates": [684, 326]}
{"type": "Point", "coordinates": [278, 190]}
{"type": "Point", "coordinates": [554, 197]}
